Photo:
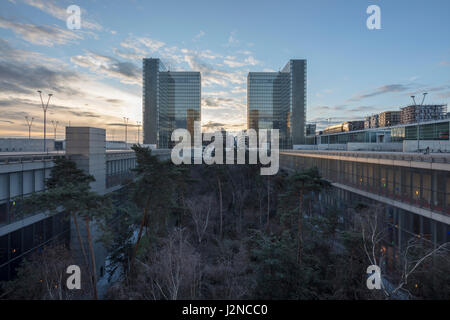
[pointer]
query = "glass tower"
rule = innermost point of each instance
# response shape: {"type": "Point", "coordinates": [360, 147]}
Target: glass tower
{"type": "Point", "coordinates": [277, 100]}
{"type": "Point", "coordinates": [171, 100]}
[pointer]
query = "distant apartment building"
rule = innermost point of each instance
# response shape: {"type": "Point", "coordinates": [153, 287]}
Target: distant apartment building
{"type": "Point", "coordinates": [367, 122]}
{"type": "Point", "coordinates": [374, 123]}
{"type": "Point", "coordinates": [420, 113]}
{"type": "Point", "coordinates": [389, 118]}
{"type": "Point", "coordinates": [171, 100]}
{"type": "Point", "coordinates": [277, 100]}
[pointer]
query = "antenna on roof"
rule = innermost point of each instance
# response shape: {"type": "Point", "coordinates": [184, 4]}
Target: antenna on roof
{"type": "Point", "coordinates": [413, 97]}
{"type": "Point", "coordinates": [424, 94]}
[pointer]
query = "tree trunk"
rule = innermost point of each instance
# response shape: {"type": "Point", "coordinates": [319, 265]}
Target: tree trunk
{"type": "Point", "coordinates": [220, 207]}
{"type": "Point", "coordinates": [268, 201]}
{"type": "Point", "coordinates": [299, 232]}
{"type": "Point", "coordinates": [144, 218]}
{"type": "Point", "coordinates": [91, 248]}
{"type": "Point", "coordinates": [86, 261]}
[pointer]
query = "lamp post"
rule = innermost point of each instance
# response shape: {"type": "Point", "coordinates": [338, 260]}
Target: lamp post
{"type": "Point", "coordinates": [55, 126]}
{"type": "Point", "coordinates": [421, 111]}
{"type": "Point", "coordinates": [125, 120]}
{"type": "Point", "coordinates": [45, 107]}
{"type": "Point", "coordinates": [328, 137]}
{"type": "Point", "coordinates": [138, 126]}
{"type": "Point", "coordinates": [29, 124]}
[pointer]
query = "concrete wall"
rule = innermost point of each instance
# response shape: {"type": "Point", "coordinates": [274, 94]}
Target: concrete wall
{"type": "Point", "coordinates": [304, 147]}
{"type": "Point", "coordinates": [434, 145]}
{"type": "Point", "coordinates": [87, 147]}
{"type": "Point", "coordinates": [332, 146]}
{"type": "Point", "coordinates": [385, 146]}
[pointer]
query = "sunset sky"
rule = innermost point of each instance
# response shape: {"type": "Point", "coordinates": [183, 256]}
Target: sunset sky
{"type": "Point", "coordinates": [95, 72]}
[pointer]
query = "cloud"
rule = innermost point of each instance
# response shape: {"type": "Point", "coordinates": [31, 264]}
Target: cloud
{"type": "Point", "coordinates": [233, 64]}
{"type": "Point", "coordinates": [213, 125]}
{"type": "Point", "coordinates": [20, 74]}
{"type": "Point", "coordinates": [215, 101]}
{"type": "Point", "coordinates": [445, 63]}
{"type": "Point", "coordinates": [214, 76]}
{"type": "Point", "coordinates": [125, 71]}
{"type": "Point", "coordinates": [60, 13]}
{"type": "Point", "coordinates": [216, 126]}
{"type": "Point", "coordinates": [121, 124]}
{"type": "Point", "coordinates": [128, 55]}
{"type": "Point", "coordinates": [199, 35]}
{"type": "Point", "coordinates": [41, 35]}
{"type": "Point", "coordinates": [251, 61]}
{"type": "Point", "coordinates": [78, 97]}
{"type": "Point", "coordinates": [142, 45]}
{"type": "Point", "coordinates": [381, 90]}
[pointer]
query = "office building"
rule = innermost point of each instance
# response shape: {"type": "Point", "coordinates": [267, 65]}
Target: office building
{"type": "Point", "coordinates": [277, 100]}
{"type": "Point", "coordinates": [171, 100]}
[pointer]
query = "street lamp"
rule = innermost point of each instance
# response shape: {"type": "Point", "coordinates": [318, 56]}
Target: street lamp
{"type": "Point", "coordinates": [328, 137]}
{"type": "Point", "coordinates": [29, 124]}
{"type": "Point", "coordinates": [55, 126]}
{"type": "Point", "coordinates": [138, 126]}
{"type": "Point", "coordinates": [125, 120]}
{"type": "Point", "coordinates": [45, 107]}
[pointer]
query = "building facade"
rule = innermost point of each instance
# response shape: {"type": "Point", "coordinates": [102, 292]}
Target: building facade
{"type": "Point", "coordinates": [25, 173]}
{"type": "Point", "coordinates": [420, 113]}
{"type": "Point", "coordinates": [374, 121]}
{"type": "Point", "coordinates": [389, 118]}
{"type": "Point", "coordinates": [413, 189]}
{"type": "Point", "coordinates": [277, 100]}
{"type": "Point", "coordinates": [171, 100]}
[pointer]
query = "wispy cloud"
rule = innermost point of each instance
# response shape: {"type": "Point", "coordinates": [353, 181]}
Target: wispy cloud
{"type": "Point", "coordinates": [50, 7]}
{"type": "Point", "coordinates": [390, 88]}
{"type": "Point", "coordinates": [199, 35]}
{"type": "Point", "coordinates": [212, 75]}
{"type": "Point", "coordinates": [125, 71]}
{"type": "Point", "coordinates": [41, 35]}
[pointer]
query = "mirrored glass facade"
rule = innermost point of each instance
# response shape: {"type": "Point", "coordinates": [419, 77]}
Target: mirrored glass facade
{"type": "Point", "coordinates": [277, 100]}
{"type": "Point", "coordinates": [171, 100]}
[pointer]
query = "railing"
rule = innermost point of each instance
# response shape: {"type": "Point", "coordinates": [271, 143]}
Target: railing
{"type": "Point", "coordinates": [23, 158]}
{"type": "Point", "coordinates": [402, 156]}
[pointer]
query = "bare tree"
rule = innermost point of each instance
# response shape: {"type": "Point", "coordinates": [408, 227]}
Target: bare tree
{"type": "Point", "coordinates": [200, 209]}
{"type": "Point", "coordinates": [410, 264]}
{"type": "Point", "coordinates": [43, 277]}
{"type": "Point", "coordinates": [171, 272]}
{"type": "Point", "coordinates": [373, 229]}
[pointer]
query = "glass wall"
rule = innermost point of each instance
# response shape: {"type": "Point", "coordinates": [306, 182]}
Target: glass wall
{"type": "Point", "coordinates": [423, 188]}
{"type": "Point", "coordinates": [18, 244]}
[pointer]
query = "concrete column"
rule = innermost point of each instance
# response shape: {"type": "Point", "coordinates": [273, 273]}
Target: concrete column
{"type": "Point", "coordinates": [87, 147]}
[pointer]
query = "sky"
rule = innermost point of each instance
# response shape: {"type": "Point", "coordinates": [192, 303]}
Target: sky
{"type": "Point", "coordinates": [95, 73]}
